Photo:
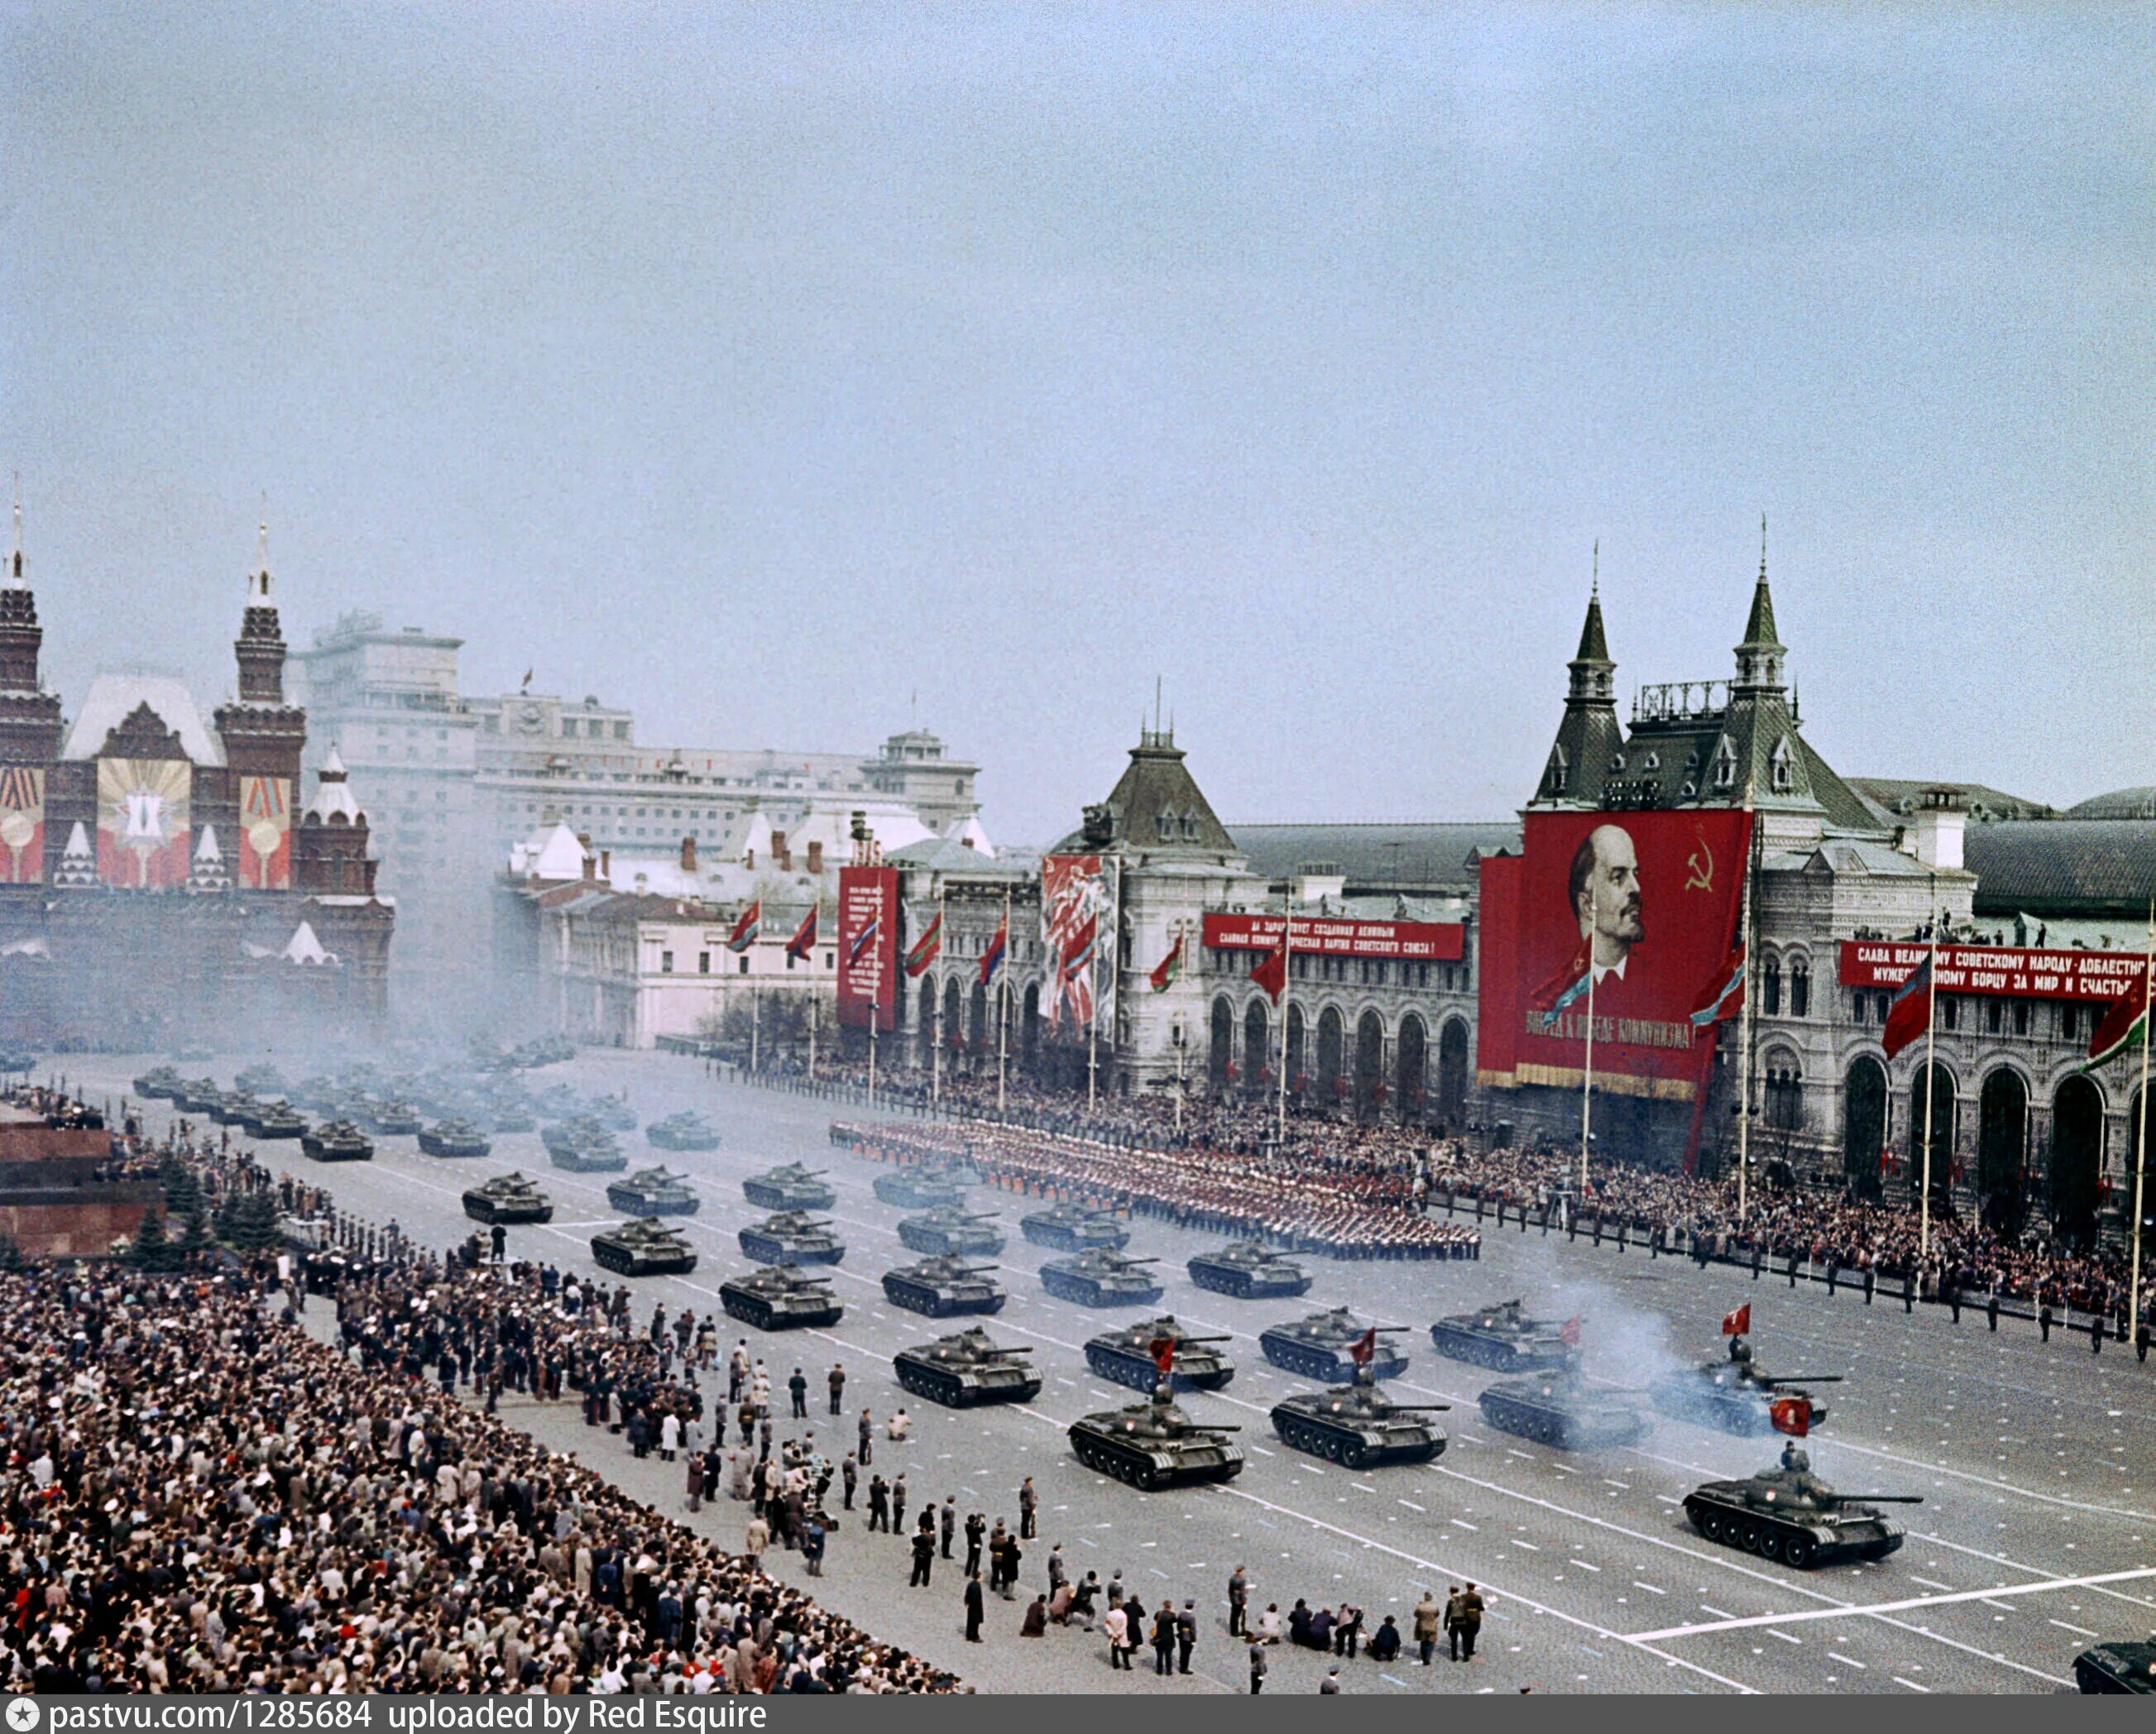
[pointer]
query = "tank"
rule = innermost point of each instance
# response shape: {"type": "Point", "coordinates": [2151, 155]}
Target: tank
{"type": "Point", "coordinates": [951, 1230]}
{"type": "Point", "coordinates": [941, 1286]}
{"type": "Point", "coordinates": [512, 1117]}
{"type": "Point", "coordinates": [160, 1084]}
{"type": "Point", "coordinates": [231, 1107]}
{"type": "Point", "coordinates": [558, 1102]}
{"type": "Point", "coordinates": [1075, 1228]}
{"type": "Point", "coordinates": [686, 1131]}
{"type": "Point", "coordinates": [16, 1060]}
{"type": "Point", "coordinates": [1359, 1426]}
{"type": "Point", "coordinates": [1503, 1337]}
{"type": "Point", "coordinates": [261, 1081]}
{"type": "Point", "coordinates": [1152, 1445]}
{"type": "Point", "coordinates": [780, 1299]}
{"type": "Point", "coordinates": [584, 1147]}
{"type": "Point", "coordinates": [455, 1137]}
{"type": "Point", "coordinates": [1559, 1407]}
{"type": "Point", "coordinates": [968, 1369]}
{"type": "Point", "coordinates": [613, 1113]}
{"type": "Point", "coordinates": [921, 1188]}
{"type": "Point", "coordinates": [337, 1140]}
{"type": "Point", "coordinates": [1124, 1355]}
{"type": "Point", "coordinates": [1100, 1279]}
{"type": "Point", "coordinates": [1789, 1514]}
{"type": "Point", "coordinates": [2121, 1667]}
{"type": "Point", "coordinates": [508, 1199]}
{"type": "Point", "coordinates": [1249, 1271]}
{"type": "Point", "coordinates": [269, 1121]}
{"type": "Point", "coordinates": [394, 1119]}
{"type": "Point", "coordinates": [1317, 1347]}
{"type": "Point", "coordinates": [1734, 1395]}
{"type": "Point", "coordinates": [653, 1192]}
{"type": "Point", "coordinates": [792, 1237]}
{"type": "Point", "coordinates": [788, 1187]}
{"type": "Point", "coordinates": [643, 1247]}
{"type": "Point", "coordinates": [197, 1095]}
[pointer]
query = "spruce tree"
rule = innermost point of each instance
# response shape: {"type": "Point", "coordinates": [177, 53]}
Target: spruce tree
{"type": "Point", "coordinates": [152, 1250]}
{"type": "Point", "coordinates": [254, 1224]}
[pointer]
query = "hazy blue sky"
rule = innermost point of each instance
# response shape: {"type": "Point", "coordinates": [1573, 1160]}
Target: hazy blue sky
{"type": "Point", "coordinates": [759, 366]}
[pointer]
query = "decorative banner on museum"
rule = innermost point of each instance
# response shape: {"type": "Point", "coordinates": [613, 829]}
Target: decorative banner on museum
{"type": "Point", "coordinates": [1996, 970]}
{"type": "Point", "coordinates": [868, 946]}
{"type": "Point", "coordinates": [22, 825]}
{"type": "Point", "coordinates": [143, 823]}
{"type": "Point", "coordinates": [265, 833]}
{"type": "Point", "coordinates": [1328, 936]}
{"type": "Point", "coordinates": [1653, 898]}
{"type": "Point", "coordinates": [1074, 914]}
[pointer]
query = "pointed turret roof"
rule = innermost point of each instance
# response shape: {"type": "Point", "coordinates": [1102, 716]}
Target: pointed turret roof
{"type": "Point", "coordinates": [1156, 808]}
{"type": "Point", "coordinates": [1594, 646]}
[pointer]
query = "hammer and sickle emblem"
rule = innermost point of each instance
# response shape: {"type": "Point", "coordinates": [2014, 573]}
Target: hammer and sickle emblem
{"type": "Point", "coordinates": [1701, 861]}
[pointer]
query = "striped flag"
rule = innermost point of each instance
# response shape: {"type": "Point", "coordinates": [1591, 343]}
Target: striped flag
{"type": "Point", "coordinates": [927, 948]}
{"type": "Point", "coordinates": [1719, 1000]}
{"type": "Point", "coordinates": [862, 940]}
{"type": "Point", "coordinates": [992, 959]}
{"type": "Point", "coordinates": [747, 927]}
{"type": "Point", "coordinates": [2125, 1026]}
{"type": "Point", "coordinates": [805, 938]}
{"type": "Point", "coordinates": [1909, 1012]}
{"type": "Point", "coordinates": [1165, 972]}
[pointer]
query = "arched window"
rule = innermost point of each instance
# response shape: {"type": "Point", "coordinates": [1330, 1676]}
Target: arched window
{"type": "Point", "coordinates": [1782, 765]}
{"type": "Point", "coordinates": [1800, 989]}
{"type": "Point", "coordinates": [1554, 780]}
{"type": "Point", "coordinates": [1785, 1092]}
{"type": "Point", "coordinates": [1725, 764]}
{"type": "Point", "coordinates": [1770, 988]}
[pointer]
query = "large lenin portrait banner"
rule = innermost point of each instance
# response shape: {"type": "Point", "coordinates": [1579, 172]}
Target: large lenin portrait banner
{"type": "Point", "coordinates": [868, 947]}
{"type": "Point", "coordinates": [143, 823]}
{"type": "Point", "coordinates": [1637, 911]}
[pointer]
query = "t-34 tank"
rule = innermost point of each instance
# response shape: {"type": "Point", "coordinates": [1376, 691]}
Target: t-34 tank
{"type": "Point", "coordinates": [1501, 1337]}
{"type": "Point", "coordinates": [645, 1248]}
{"type": "Point", "coordinates": [1073, 1227]}
{"type": "Point", "coordinates": [1126, 1355]}
{"type": "Point", "coordinates": [788, 1187]}
{"type": "Point", "coordinates": [921, 1188]}
{"type": "Point", "coordinates": [653, 1192]}
{"type": "Point", "coordinates": [160, 1084]}
{"type": "Point", "coordinates": [792, 1237]}
{"type": "Point", "coordinates": [2124, 1666]}
{"type": "Point", "coordinates": [1359, 1426]}
{"type": "Point", "coordinates": [231, 1107]}
{"type": "Point", "coordinates": [1100, 1279]}
{"type": "Point", "coordinates": [1734, 1395]}
{"type": "Point", "coordinates": [584, 1147]}
{"type": "Point", "coordinates": [1319, 1346]}
{"type": "Point", "coordinates": [273, 1119]}
{"type": "Point", "coordinates": [393, 1120]}
{"type": "Point", "coordinates": [1152, 1445]}
{"type": "Point", "coordinates": [454, 1137]}
{"type": "Point", "coordinates": [1559, 1407]}
{"type": "Point", "coordinates": [337, 1140]}
{"type": "Point", "coordinates": [508, 1199]}
{"type": "Point", "coordinates": [951, 1231]}
{"type": "Point", "coordinates": [686, 1131]}
{"type": "Point", "coordinates": [1249, 1270]}
{"type": "Point", "coordinates": [780, 1298]}
{"type": "Point", "coordinates": [1789, 1514]}
{"type": "Point", "coordinates": [941, 1286]}
{"type": "Point", "coordinates": [197, 1095]}
{"type": "Point", "coordinates": [962, 1371]}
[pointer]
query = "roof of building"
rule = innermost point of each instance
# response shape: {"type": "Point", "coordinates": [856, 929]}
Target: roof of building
{"type": "Point", "coordinates": [2119, 804]}
{"type": "Point", "coordinates": [2063, 866]}
{"type": "Point", "coordinates": [1403, 857]}
{"type": "Point", "coordinates": [1893, 798]}
{"type": "Point", "coordinates": [112, 698]}
{"type": "Point", "coordinates": [947, 854]}
{"type": "Point", "coordinates": [1155, 809]}
{"type": "Point", "coordinates": [333, 796]}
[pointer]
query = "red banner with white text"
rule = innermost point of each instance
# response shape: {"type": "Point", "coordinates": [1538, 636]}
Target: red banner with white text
{"type": "Point", "coordinates": [2005, 971]}
{"type": "Point", "coordinates": [868, 946]}
{"type": "Point", "coordinates": [1332, 936]}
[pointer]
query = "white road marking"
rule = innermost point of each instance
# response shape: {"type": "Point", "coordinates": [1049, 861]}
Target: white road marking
{"type": "Point", "coordinates": [2081, 1631]}
{"type": "Point", "coordinates": [1873, 1609]}
{"type": "Point", "coordinates": [1913, 1686]}
{"type": "Point", "coordinates": [1929, 1582]}
{"type": "Point", "coordinates": [1847, 1661]}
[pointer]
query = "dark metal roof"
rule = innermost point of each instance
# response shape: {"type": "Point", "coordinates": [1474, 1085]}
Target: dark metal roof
{"type": "Point", "coordinates": [1408, 857]}
{"type": "Point", "coordinates": [1896, 798]}
{"type": "Point", "coordinates": [2119, 804]}
{"type": "Point", "coordinates": [2063, 866]}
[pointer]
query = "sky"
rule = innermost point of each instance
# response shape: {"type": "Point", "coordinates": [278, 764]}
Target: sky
{"type": "Point", "coordinates": [793, 375]}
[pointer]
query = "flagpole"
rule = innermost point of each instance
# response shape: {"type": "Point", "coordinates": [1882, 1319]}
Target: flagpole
{"type": "Point", "coordinates": [1745, 1025]}
{"type": "Point", "coordinates": [1931, 1076]}
{"type": "Point", "coordinates": [1003, 1009]}
{"type": "Point", "coordinates": [1287, 990]}
{"type": "Point", "coordinates": [1587, 1076]}
{"type": "Point", "coordinates": [811, 1031]}
{"type": "Point", "coordinates": [755, 1006]}
{"type": "Point", "coordinates": [2141, 1129]}
{"type": "Point", "coordinates": [936, 1055]}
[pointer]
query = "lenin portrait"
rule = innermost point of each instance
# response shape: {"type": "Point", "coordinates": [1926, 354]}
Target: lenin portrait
{"type": "Point", "coordinates": [1604, 887]}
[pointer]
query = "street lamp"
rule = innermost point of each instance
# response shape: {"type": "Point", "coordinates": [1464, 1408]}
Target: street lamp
{"type": "Point", "coordinates": [1175, 1034]}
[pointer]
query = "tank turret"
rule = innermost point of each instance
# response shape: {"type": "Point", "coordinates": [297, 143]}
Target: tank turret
{"type": "Point", "coordinates": [788, 1187]}
{"type": "Point", "coordinates": [686, 1131]}
{"type": "Point", "coordinates": [792, 1237]}
{"type": "Point", "coordinates": [1501, 1336]}
{"type": "Point", "coordinates": [962, 1371]}
{"type": "Point", "coordinates": [941, 1286]}
{"type": "Point", "coordinates": [1249, 1271]}
{"type": "Point", "coordinates": [392, 1117]}
{"type": "Point", "coordinates": [337, 1140]}
{"type": "Point", "coordinates": [653, 1192]}
{"type": "Point", "coordinates": [231, 1106]}
{"type": "Point", "coordinates": [645, 1248]}
{"type": "Point", "coordinates": [1736, 1394]}
{"type": "Point", "coordinates": [951, 1230]}
{"type": "Point", "coordinates": [582, 1145]}
{"type": "Point", "coordinates": [273, 1120]}
{"type": "Point", "coordinates": [455, 1137]}
{"type": "Point", "coordinates": [1560, 1408]}
{"type": "Point", "coordinates": [161, 1083]}
{"type": "Point", "coordinates": [1319, 1347]}
{"type": "Point", "coordinates": [1100, 1279]}
{"type": "Point", "coordinates": [1125, 1355]}
{"type": "Point", "coordinates": [197, 1095]}
{"type": "Point", "coordinates": [508, 1199]}
{"type": "Point", "coordinates": [1359, 1425]}
{"type": "Point", "coordinates": [1789, 1514]}
{"type": "Point", "coordinates": [1075, 1228]}
{"type": "Point", "coordinates": [921, 1188]}
{"type": "Point", "coordinates": [1152, 1445]}
{"type": "Point", "coordinates": [780, 1298]}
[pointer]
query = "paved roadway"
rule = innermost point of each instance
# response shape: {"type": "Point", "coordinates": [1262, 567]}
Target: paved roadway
{"type": "Point", "coordinates": [2038, 1533]}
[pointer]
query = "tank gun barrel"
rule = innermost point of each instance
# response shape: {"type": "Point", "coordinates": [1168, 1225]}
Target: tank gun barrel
{"type": "Point", "coordinates": [1418, 1408]}
{"type": "Point", "coordinates": [1804, 1378]}
{"type": "Point", "coordinates": [1140, 1261]}
{"type": "Point", "coordinates": [1181, 1342]}
{"type": "Point", "coordinates": [1881, 1498]}
{"type": "Point", "coordinates": [981, 1270]}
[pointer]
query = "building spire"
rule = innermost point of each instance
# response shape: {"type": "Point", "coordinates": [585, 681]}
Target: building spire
{"type": "Point", "coordinates": [258, 585]}
{"type": "Point", "coordinates": [15, 560]}
{"type": "Point", "coordinates": [1759, 657]}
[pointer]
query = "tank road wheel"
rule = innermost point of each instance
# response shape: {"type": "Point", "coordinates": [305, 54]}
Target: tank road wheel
{"type": "Point", "coordinates": [1770, 1542]}
{"type": "Point", "coordinates": [1333, 1449]}
{"type": "Point", "coordinates": [1709, 1524]}
{"type": "Point", "coordinates": [1797, 1552]}
{"type": "Point", "coordinates": [1747, 1534]}
{"type": "Point", "coordinates": [1145, 1478]}
{"type": "Point", "coordinates": [1353, 1454]}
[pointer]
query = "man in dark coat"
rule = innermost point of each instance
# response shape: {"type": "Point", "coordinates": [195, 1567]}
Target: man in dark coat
{"type": "Point", "coordinates": [973, 1611]}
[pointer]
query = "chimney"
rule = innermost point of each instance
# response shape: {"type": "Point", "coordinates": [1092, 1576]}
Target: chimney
{"type": "Point", "coordinates": [688, 854]}
{"type": "Point", "coordinates": [1939, 823]}
{"type": "Point", "coordinates": [584, 843]}
{"type": "Point", "coordinates": [780, 853]}
{"type": "Point", "coordinates": [816, 858]}
{"type": "Point", "coordinates": [606, 864]}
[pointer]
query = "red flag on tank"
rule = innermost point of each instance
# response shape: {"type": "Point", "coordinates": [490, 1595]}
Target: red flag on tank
{"type": "Point", "coordinates": [1737, 1323]}
{"type": "Point", "coordinates": [1163, 1350]}
{"type": "Point", "coordinates": [1365, 1347]}
{"type": "Point", "coordinates": [1567, 1333]}
{"type": "Point", "coordinates": [1792, 1415]}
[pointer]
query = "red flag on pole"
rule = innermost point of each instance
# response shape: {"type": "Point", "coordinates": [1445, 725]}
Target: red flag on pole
{"type": "Point", "coordinates": [1365, 1347]}
{"type": "Point", "coordinates": [747, 927]}
{"type": "Point", "coordinates": [1909, 1012]}
{"type": "Point", "coordinates": [1163, 1350]}
{"type": "Point", "coordinates": [1792, 1415]}
{"type": "Point", "coordinates": [1737, 1323]}
{"type": "Point", "coordinates": [1271, 972]}
{"type": "Point", "coordinates": [1569, 1332]}
{"type": "Point", "coordinates": [805, 938]}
